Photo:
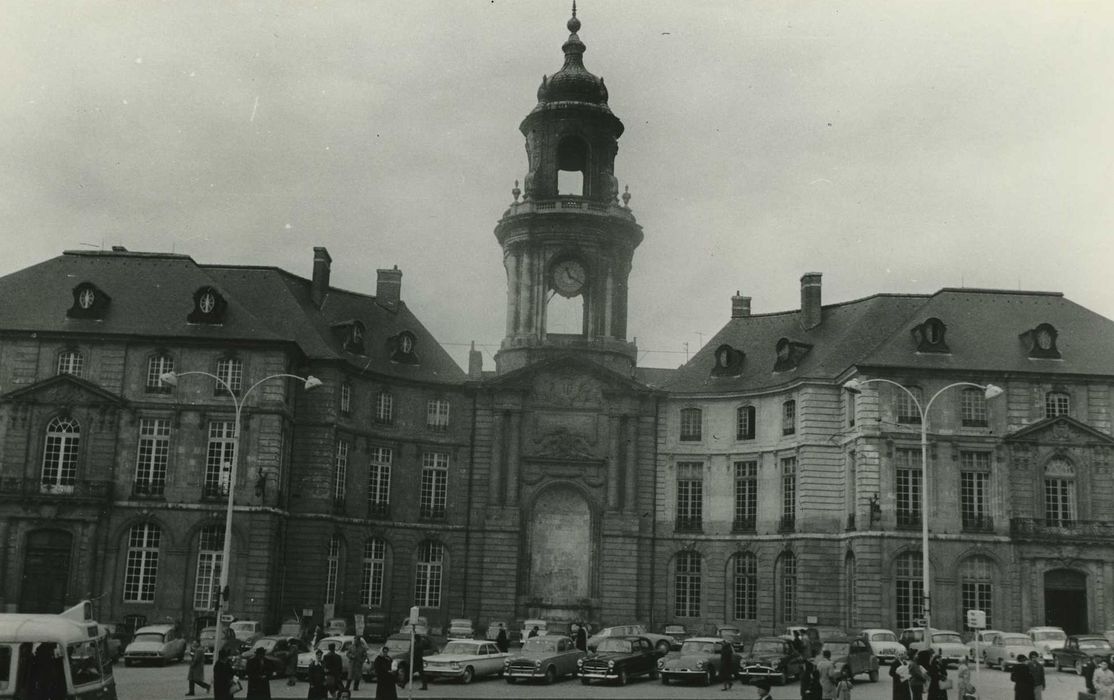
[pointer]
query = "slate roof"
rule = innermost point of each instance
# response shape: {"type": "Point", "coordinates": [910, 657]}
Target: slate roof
{"type": "Point", "coordinates": [983, 329]}
{"type": "Point", "coordinates": [152, 293]}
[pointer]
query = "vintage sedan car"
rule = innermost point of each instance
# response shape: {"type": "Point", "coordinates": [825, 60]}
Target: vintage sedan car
{"type": "Point", "coordinates": [978, 645]}
{"type": "Point", "coordinates": [697, 660]}
{"type": "Point", "coordinates": [466, 659]}
{"type": "Point", "coordinates": [662, 642]}
{"type": "Point", "coordinates": [155, 644]}
{"type": "Point", "coordinates": [528, 627]}
{"type": "Point", "coordinates": [772, 658]}
{"type": "Point", "coordinates": [247, 631]}
{"type": "Point", "coordinates": [732, 634]}
{"type": "Point", "coordinates": [853, 653]}
{"type": "Point", "coordinates": [398, 648]}
{"type": "Point", "coordinates": [460, 628]}
{"type": "Point", "coordinates": [947, 644]}
{"type": "Point", "coordinates": [1078, 649]}
{"type": "Point", "coordinates": [1007, 649]}
{"type": "Point", "coordinates": [678, 633]}
{"type": "Point", "coordinates": [545, 658]}
{"type": "Point", "coordinates": [233, 644]}
{"type": "Point", "coordinates": [343, 642]}
{"type": "Point", "coordinates": [883, 644]}
{"type": "Point", "coordinates": [276, 654]}
{"type": "Point", "coordinates": [1046, 640]}
{"type": "Point", "coordinates": [619, 659]}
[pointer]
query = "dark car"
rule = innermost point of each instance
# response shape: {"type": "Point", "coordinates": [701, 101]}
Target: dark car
{"type": "Point", "coordinates": [618, 659]}
{"type": "Point", "coordinates": [698, 659]}
{"type": "Point", "coordinates": [545, 658]}
{"type": "Point", "coordinates": [1079, 649]}
{"type": "Point", "coordinates": [276, 655]}
{"type": "Point", "coordinates": [772, 658]}
{"type": "Point", "coordinates": [855, 653]}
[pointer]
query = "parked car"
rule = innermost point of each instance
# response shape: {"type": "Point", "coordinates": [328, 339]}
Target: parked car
{"type": "Point", "coordinates": [276, 654]}
{"type": "Point", "coordinates": [247, 631]}
{"type": "Point", "coordinates": [979, 644]}
{"type": "Point", "coordinates": [949, 645]}
{"type": "Point", "coordinates": [772, 658]}
{"type": "Point", "coordinates": [1007, 649]}
{"type": "Point", "coordinates": [883, 644]}
{"type": "Point", "coordinates": [159, 644]}
{"type": "Point", "coordinates": [398, 648]}
{"type": "Point", "coordinates": [342, 642]}
{"type": "Point", "coordinates": [698, 659]}
{"type": "Point", "coordinates": [547, 658]}
{"type": "Point", "coordinates": [420, 627]}
{"type": "Point", "coordinates": [207, 637]}
{"type": "Point", "coordinates": [465, 659]}
{"type": "Point", "coordinates": [1078, 649]}
{"type": "Point", "coordinates": [461, 628]}
{"type": "Point", "coordinates": [528, 627]}
{"type": "Point", "coordinates": [732, 634]}
{"type": "Point", "coordinates": [854, 653]}
{"type": "Point", "coordinates": [660, 641]}
{"type": "Point", "coordinates": [493, 628]}
{"type": "Point", "coordinates": [1046, 639]}
{"type": "Point", "coordinates": [619, 659]}
{"type": "Point", "coordinates": [678, 633]}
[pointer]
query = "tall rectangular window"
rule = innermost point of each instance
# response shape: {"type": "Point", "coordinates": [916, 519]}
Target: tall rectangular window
{"type": "Point", "coordinates": [789, 418]}
{"type": "Point", "coordinates": [908, 482]}
{"type": "Point", "coordinates": [687, 585]}
{"type": "Point", "coordinates": [384, 407]}
{"type": "Point", "coordinates": [371, 581]}
{"type": "Point", "coordinates": [907, 409]}
{"type": "Point", "coordinates": [1059, 502]}
{"type": "Point", "coordinates": [153, 456]}
{"type": "Point", "coordinates": [974, 490]}
{"type": "Point", "coordinates": [218, 458]}
{"type": "Point", "coordinates": [690, 495]}
{"type": "Point", "coordinates": [345, 399]}
{"type": "Point", "coordinates": [435, 484]}
{"type": "Point", "coordinates": [908, 588]}
{"type": "Point", "coordinates": [973, 408]}
{"type": "Point", "coordinates": [744, 423]}
{"type": "Point", "coordinates": [746, 587]}
{"type": "Point", "coordinates": [142, 566]}
{"type": "Point", "coordinates": [437, 415]}
{"type": "Point", "coordinates": [788, 587]}
{"type": "Point", "coordinates": [428, 574]}
{"type": "Point", "coordinates": [976, 586]}
{"type": "Point", "coordinates": [71, 362]}
{"type": "Point", "coordinates": [852, 405]}
{"type": "Point", "coordinates": [332, 570]}
{"type": "Point", "coordinates": [210, 553]}
{"type": "Point", "coordinates": [340, 471]}
{"type": "Point", "coordinates": [60, 451]}
{"type": "Point", "coordinates": [379, 481]}
{"type": "Point", "coordinates": [746, 496]}
{"type": "Point", "coordinates": [231, 372]}
{"type": "Point", "coordinates": [788, 492]}
{"type": "Point", "coordinates": [691, 420]}
{"type": "Point", "coordinates": [158, 365]}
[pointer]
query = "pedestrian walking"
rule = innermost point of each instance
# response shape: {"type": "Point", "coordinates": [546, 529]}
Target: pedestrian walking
{"type": "Point", "coordinates": [1022, 681]}
{"type": "Point", "coordinates": [385, 678]}
{"type": "Point", "coordinates": [843, 687]}
{"type": "Point", "coordinates": [501, 640]}
{"type": "Point", "coordinates": [222, 677]}
{"type": "Point", "coordinates": [357, 658]}
{"type": "Point", "coordinates": [964, 689]}
{"type": "Point", "coordinates": [899, 672]}
{"type": "Point", "coordinates": [334, 669]}
{"type": "Point", "coordinates": [1103, 681]}
{"type": "Point", "coordinates": [420, 645]}
{"type": "Point", "coordinates": [292, 666]}
{"type": "Point", "coordinates": [315, 674]}
{"type": "Point", "coordinates": [581, 638]}
{"type": "Point", "coordinates": [259, 685]}
{"type": "Point", "coordinates": [938, 683]}
{"type": "Point", "coordinates": [726, 665]}
{"type": "Point", "coordinates": [828, 675]}
{"type": "Point", "coordinates": [918, 674]}
{"type": "Point", "coordinates": [1036, 670]}
{"type": "Point", "coordinates": [196, 673]}
{"type": "Point", "coordinates": [810, 681]}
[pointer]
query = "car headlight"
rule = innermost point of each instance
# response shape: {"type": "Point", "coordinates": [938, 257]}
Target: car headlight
{"type": "Point", "coordinates": [506, 663]}
{"type": "Point", "coordinates": [699, 665]}
{"type": "Point", "coordinates": [579, 662]}
{"type": "Point", "coordinates": [661, 663]}
{"type": "Point", "coordinates": [610, 664]}
{"type": "Point", "coordinates": [538, 663]}
{"type": "Point", "coordinates": [454, 664]}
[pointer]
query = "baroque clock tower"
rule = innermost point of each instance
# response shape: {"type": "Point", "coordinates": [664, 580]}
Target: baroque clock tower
{"type": "Point", "coordinates": [567, 241]}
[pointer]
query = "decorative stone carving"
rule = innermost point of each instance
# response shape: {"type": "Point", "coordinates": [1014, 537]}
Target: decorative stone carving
{"type": "Point", "coordinates": [563, 443]}
{"type": "Point", "coordinates": [567, 389]}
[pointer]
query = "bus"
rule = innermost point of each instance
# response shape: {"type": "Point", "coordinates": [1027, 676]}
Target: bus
{"type": "Point", "coordinates": [62, 655]}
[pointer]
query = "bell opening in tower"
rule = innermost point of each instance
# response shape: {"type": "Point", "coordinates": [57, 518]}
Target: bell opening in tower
{"type": "Point", "coordinates": [572, 163]}
{"type": "Point", "coordinates": [564, 316]}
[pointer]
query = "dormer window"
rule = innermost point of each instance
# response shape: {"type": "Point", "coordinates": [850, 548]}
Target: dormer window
{"type": "Point", "coordinates": [403, 348]}
{"type": "Point", "coordinates": [209, 307]}
{"type": "Point", "coordinates": [729, 362]}
{"type": "Point", "coordinates": [929, 336]}
{"type": "Point", "coordinates": [1041, 342]}
{"type": "Point", "coordinates": [354, 338]}
{"type": "Point", "coordinates": [789, 354]}
{"type": "Point", "coordinates": [88, 302]}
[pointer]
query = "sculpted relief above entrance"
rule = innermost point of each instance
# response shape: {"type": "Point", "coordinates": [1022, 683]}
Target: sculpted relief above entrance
{"type": "Point", "coordinates": [567, 390]}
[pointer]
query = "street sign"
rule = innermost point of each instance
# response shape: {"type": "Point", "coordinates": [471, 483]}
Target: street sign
{"type": "Point", "coordinates": [976, 619]}
{"type": "Point", "coordinates": [227, 618]}
{"type": "Point", "coordinates": [919, 622]}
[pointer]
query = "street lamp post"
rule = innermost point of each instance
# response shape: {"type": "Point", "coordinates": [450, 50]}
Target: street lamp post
{"type": "Point", "coordinates": [171, 378]}
{"type": "Point", "coordinates": [989, 391]}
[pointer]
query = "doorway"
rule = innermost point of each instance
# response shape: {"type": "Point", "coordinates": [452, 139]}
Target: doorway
{"type": "Point", "coordinates": [1065, 600]}
{"type": "Point", "coordinates": [46, 572]}
{"type": "Point", "coordinates": [560, 547]}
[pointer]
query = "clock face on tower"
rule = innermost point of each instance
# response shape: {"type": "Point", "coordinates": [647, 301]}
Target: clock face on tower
{"type": "Point", "coordinates": [568, 277]}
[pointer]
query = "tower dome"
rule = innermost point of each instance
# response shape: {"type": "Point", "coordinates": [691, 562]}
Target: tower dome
{"type": "Point", "coordinates": [573, 83]}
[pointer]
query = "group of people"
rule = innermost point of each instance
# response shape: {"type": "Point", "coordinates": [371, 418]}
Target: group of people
{"type": "Point", "coordinates": [1099, 679]}
{"type": "Point", "coordinates": [925, 676]}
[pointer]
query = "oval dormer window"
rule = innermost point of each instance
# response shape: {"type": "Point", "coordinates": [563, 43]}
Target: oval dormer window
{"type": "Point", "coordinates": [87, 298]}
{"type": "Point", "coordinates": [208, 302]}
{"type": "Point", "coordinates": [1044, 339]}
{"type": "Point", "coordinates": [406, 343]}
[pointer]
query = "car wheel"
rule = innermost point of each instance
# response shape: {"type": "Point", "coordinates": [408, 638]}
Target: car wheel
{"type": "Point", "coordinates": [550, 675]}
{"type": "Point", "coordinates": [622, 677]}
{"type": "Point", "coordinates": [663, 647]}
{"type": "Point", "coordinates": [873, 676]}
{"type": "Point", "coordinates": [468, 675]}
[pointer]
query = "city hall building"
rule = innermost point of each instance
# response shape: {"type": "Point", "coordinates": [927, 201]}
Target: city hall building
{"type": "Point", "coordinates": [750, 486]}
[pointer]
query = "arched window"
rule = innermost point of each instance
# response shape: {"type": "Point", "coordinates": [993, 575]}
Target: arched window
{"type": "Point", "coordinates": [691, 424]}
{"type": "Point", "coordinates": [687, 585]}
{"type": "Point", "coordinates": [210, 554]}
{"type": "Point", "coordinates": [786, 587]}
{"type": "Point", "coordinates": [71, 362]}
{"type": "Point", "coordinates": [63, 439]}
{"type": "Point", "coordinates": [142, 566]}
{"type": "Point", "coordinates": [1059, 493]}
{"type": "Point", "coordinates": [572, 163]}
{"type": "Point", "coordinates": [977, 586]}
{"type": "Point", "coordinates": [908, 582]}
{"type": "Point", "coordinates": [332, 570]}
{"type": "Point", "coordinates": [158, 365]}
{"type": "Point", "coordinates": [427, 575]}
{"type": "Point", "coordinates": [746, 586]}
{"type": "Point", "coordinates": [1057, 403]}
{"type": "Point", "coordinates": [371, 581]}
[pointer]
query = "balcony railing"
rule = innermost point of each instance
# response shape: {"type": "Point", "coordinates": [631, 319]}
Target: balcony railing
{"type": "Point", "coordinates": [744, 525]}
{"type": "Point", "coordinates": [908, 520]}
{"type": "Point", "coordinates": [689, 524]}
{"type": "Point", "coordinates": [148, 488]}
{"type": "Point", "coordinates": [378, 509]}
{"type": "Point", "coordinates": [978, 523]}
{"type": "Point", "coordinates": [788, 523]}
{"type": "Point", "coordinates": [214, 492]}
{"type": "Point", "coordinates": [75, 488]}
{"type": "Point", "coordinates": [432, 512]}
{"type": "Point", "coordinates": [1061, 529]}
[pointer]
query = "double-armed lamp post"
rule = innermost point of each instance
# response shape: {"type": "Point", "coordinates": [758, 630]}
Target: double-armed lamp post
{"type": "Point", "coordinates": [989, 391]}
{"type": "Point", "coordinates": [171, 378]}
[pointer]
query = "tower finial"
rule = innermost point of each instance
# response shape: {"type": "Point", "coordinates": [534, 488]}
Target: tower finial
{"type": "Point", "coordinates": [573, 23]}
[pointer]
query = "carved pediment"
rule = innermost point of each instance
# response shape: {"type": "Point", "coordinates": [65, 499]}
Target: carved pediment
{"type": "Point", "coordinates": [1060, 430]}
{"type": "Point", "coordinates": [563, 443]}
{"type": "Point", "coordinates": [567, 389]}
{"type": "Point", "coordinates": [63, 390]}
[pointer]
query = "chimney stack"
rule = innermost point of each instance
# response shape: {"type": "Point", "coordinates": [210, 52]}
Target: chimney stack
{"type": "Point", "coordinates": [388, 288]}
{"type": "Point", "coordinates": [740, 306]}
{"type": "Point", "coordinates": [322, 263]}
{"type": "Point", "coordinates": [475, 362]}
{"type": "Point", "coordinates": [810, 300]}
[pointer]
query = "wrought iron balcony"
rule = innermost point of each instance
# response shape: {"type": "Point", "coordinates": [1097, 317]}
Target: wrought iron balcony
{"type": "Point", "coordinates": [378, 509]}
{"type": "Point", "coordinates": [1036, 528]}
{"type": "Point", "coordinates": [978, 523]}
{"type": "Point", "coordinates": [744, 525]}
{"type": "Point", "coordinates": [18, 487]}
{"type": "Point", "coordinates": [908, 520]}
{"type": "Point", "coordinates": [148, 488]}
{"type": "Point", "coordinates": [214, 492]}
{"type": "Point", "coordinates": [688, 524]}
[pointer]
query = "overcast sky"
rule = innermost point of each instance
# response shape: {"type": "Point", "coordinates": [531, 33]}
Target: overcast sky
{"type": "Point", "coordinates": [892, 146]}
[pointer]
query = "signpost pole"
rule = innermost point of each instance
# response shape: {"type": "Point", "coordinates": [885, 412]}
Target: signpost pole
{"type": "Point", "coordinates": [410, 668]}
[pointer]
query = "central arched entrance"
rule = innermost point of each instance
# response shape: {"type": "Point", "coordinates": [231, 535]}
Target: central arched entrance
{"type": "Point", "coordinates": [1065, 600]}
{"type": "Point", "coordinates": [560, 548]}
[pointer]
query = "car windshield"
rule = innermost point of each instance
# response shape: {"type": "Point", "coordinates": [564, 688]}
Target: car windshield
{"type": "Point", "coordinates": [1094, 644]}
{"type": "Point", "coordinates": [838, 649]}
{"type": "Point", "coordinates": [770, 647]}
{"type": "Point", "coordinates": [84, 665]}
{"type": "Point", "coordinates": [883, 637]}
{"type": "Point", "coordinates": [461, 648]}
{"type": "Point", "coordinates": [612, 645]}
{"type": "Point", "coordinates": [265, 644]}
{"type": "Point", "coordinates": [1045, 635]}
{"type": "Point", "coordinates": [540, 644]}
{"type": "Point", "coordinates": [323, 645]}
{"type": "Point", "coordinates": [149, 637]}
{"type": "Point", "coordinates": [674, 629]}
{"type": "Point", "coordinates": [1017, 641]}
{"type": "Point", "coordinates": [947, 638]}
{"type": "Point", "coordinates": [243, 627]}
{"type": "Point", "coordinates": [698, 648]}
{"type": "Point", "coordinates": [208, 635]}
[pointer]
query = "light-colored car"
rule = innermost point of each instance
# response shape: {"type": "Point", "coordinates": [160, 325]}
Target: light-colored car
{"type": "Point", "coordinates": [548, 658]}
{"type": "Point", "coordinates": [678, 633]}
{"type": "Point", "coordinates": [883, 644]}
{"type": "Point", "coordinates": [460, 628]}
{"type": "Point", "coordinates": [698, 659]}
{"type": "Point", "coordinates": [854, 654]}
{"type": "Point", "coordinates": [528, 627]}
{"type": "Point", "coordinates": [947, 644]}
{"type": "Point", "coordinates": [247, 631]}
{"type": "Point", "coordinates": [1045, 639]}
{"type": "Point", "coordinates": [420, 627]}
{"type": "Point", "coordinates": [466, 659]}
{"type": "Point", "coordinates": [661, 642]}
{"type": "Point", "coordinates": [155, 644]}
{"type": "Point", "coordinates": [342, 641]}
{"type": "Point", "coordinates": [979, 644]}
{"type": "Point", "coordinates": [1007, 649]}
